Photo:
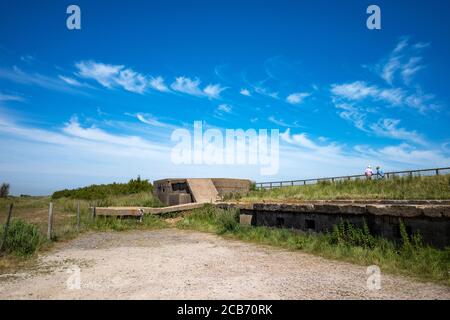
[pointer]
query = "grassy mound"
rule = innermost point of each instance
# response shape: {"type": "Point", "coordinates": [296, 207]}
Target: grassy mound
{"type": "Point", "coordinates": [411, 188]}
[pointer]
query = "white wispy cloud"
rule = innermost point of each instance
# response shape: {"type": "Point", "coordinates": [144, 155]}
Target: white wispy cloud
{"type": "Point", "coordinates": [17, 75]}
{"type": "Point", "coordinates": [111, 76]}
{"type": "Point", "coordinates": [403, 62]}
{"type": "Point", "coordinates": [187, 85]}
{"type": "Point", "coordinates": [27, 58]}
{"type": "Point", "coordinates": [158, 84]}
{"type": "Point", "coordinates": [297, 97]}
{"type": "Point", "coordinates": [302, 140]}
{"type": "Point", "coordinates": [282, 123]}
{"type": "Point", "coordinates": [360, 90]}
{"type": "Point", "coordinates": [386, 127]}
{"type": "Point", "coordinates": [354, 114]}
{"type": "Point", "coordinates": [70, 81]}
{"type": "Point", "coordinates": [405, 154]}
{"type": "Point", "coordinates": [389, 128]}
{"type": "Point", "coordinates": [11, 97]}
{"type": "Point", "coordinates": [224, 108]}
{"type": "Point", "coordinates": [73, 128]}
{"type": "Point", "coordinates": [192, 87]}
{"type": "Point", "coordinates": [105, 74]}
{"type": "Point", "coordinates": [213, 91]}
{"type": "Point", "coordinates": [267, 92]}
{"type": "Point", "coordinates": [245, 92]}
{"type": "Point", "coordinates": [151, 120]}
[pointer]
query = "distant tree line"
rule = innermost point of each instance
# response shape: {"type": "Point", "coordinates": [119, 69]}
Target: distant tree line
{"type": "Point", "coordinates": [103, 191]}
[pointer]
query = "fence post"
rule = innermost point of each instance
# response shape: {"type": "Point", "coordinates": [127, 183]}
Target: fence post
{"type": "Point", "coordinates": [93, 212]}
{"type": "Point", "coordinates": [437, 172]}
{"type": "Point", "coordinates": [50, 221]}
{"type": "Point", "coordinates": [8, 219]}
{"type": "Point", "coordinates": [78, 217]}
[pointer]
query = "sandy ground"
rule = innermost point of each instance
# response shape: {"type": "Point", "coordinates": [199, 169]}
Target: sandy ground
{"type": "Point", "coordinates": [175, 264]}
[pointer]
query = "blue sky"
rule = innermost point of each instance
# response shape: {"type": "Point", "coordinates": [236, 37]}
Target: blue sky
{"type": "Point", "coordinates": [99, 104]}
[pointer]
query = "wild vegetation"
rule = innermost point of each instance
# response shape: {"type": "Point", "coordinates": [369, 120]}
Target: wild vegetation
{"type": "Point", "coordinates": [103, 191]}
{"type": "Point", "coordinates": [23, 238]}
{"type": "Point", "coordinates": [4, 190]}
{"type": "Point", "coordinates": [431, 187]}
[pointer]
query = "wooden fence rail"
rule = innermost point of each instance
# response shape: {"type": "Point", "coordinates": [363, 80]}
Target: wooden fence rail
{"type": "Point", "coordinates": [302, 182]}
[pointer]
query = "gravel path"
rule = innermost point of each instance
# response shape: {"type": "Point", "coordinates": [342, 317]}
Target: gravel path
{"type": "Point", "coordinates": [175, 264]}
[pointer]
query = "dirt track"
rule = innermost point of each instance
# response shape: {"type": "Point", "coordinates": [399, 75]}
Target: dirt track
{"type": "Point", "coordinates": [174, 264]}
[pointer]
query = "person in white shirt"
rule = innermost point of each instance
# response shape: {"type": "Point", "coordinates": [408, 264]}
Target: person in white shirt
{"type": "Point", "coordinates": [368, 172]}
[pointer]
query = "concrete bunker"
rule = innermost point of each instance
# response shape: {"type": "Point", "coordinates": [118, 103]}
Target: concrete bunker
{"type": "Point", "coordinates": [430, 219]}
{"type": "Point", "coordinates": [200, 190]}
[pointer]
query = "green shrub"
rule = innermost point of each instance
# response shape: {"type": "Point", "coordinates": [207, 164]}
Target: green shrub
{"type": "Point", "coordinates": [4, 190]}
{"type": "Point", "coordinates": [346, 233]}
{"type": "Point", "coordinates": [227, 220]}
{"type": "Point", "coordinates": [103, 191]}
{"type": "Point", "coordinates": [23, 239]}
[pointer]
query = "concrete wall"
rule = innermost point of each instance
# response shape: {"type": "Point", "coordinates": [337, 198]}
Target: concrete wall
{"type": "Point", "coordinates": [226, 186]}
{"type": "Point", "coordinates": [172, 191]}
{"type": "Point", "coordinates": [433, 231]}
{"type": "Point", "coordinates": [430, 220]}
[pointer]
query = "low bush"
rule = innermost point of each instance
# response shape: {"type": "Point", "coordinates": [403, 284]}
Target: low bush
{"type": "Point", "coordinates": [103, 191]}
{"type": "Point", "coordinates": [22, 239]}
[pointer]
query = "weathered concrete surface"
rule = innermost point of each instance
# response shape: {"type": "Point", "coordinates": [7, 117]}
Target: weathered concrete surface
{"type": "Point", "coordinates": [227, 186]}
{"type": "Point", "coordinates": [138, 211]}
{"type": "Point", "coordinates": [430, 219]}
{"type": "Point", "coordinates": [431, 209]}
{"type": "Point", "coordinates": [203, 190]}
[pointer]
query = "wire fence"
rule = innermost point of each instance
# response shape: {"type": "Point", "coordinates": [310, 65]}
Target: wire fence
{"type": "Point", "coordinates": [387, 175]}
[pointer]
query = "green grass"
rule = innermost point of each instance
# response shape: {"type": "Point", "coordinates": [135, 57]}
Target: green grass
{"type": "Point", "coordinates": [345, 242]}
{"type": "Point", "coordinates": [23, 239]}
{"type": "Point", "coordinates": [117, 224]}
{"type": "Point", "coordinates": [411, 188]}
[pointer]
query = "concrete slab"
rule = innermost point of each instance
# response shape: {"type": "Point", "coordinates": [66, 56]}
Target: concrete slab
{"type": "Point", "coordinates": [139, 211]}
{"type": "Point", "coordinates": [203, 190]}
